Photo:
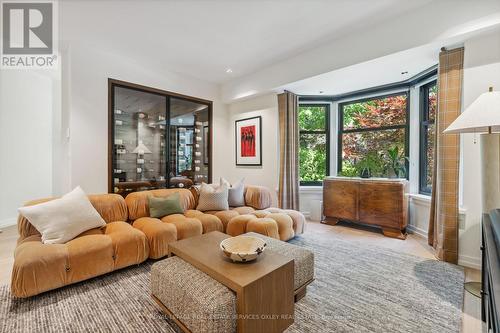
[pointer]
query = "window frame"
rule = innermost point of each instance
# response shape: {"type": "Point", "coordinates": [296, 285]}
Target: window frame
{"type": "Point", "coordinates": [382, 95]}
{"type": "Point", "coordinates": [326, 132]}
{"type": "Point", "coordinates": [424, 123]}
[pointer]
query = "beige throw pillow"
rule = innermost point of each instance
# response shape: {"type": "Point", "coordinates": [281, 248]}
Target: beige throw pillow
{"type": "Point", "coordinates": [212, 199]}
{"type": "Point", "coordinates": [61, 220]}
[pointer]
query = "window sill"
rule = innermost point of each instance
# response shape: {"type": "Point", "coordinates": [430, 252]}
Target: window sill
{"type": "Point", "coordinates": [311, 189]}
{"type": "Point", "coordinates": [419, 197]}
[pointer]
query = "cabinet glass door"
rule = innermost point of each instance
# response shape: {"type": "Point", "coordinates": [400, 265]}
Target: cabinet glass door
{"type": "Point", "coordinates": [157, 139]}
{"type": "Point", "coordinates": [189, 143]}
{"type": "Point", "coordinates": [139, 159]}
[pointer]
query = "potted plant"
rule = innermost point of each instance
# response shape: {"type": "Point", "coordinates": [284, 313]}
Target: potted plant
{"type": "Point", "coordinates": [396, 163]}
{"type": "Point", "coordinates": [369, 165]}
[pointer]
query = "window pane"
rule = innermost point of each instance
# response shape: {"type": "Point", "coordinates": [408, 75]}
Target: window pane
{"type": "Point", "coordinates": [312, 157]}
{"type": "Point", "coordinates": [375, 113]}
{"type": "Point", "coordinates": [371, 149]}
{"type": "Point", "coordinates": [430, 136]}
{"type": "Point", "coordinates": [312, 118]}
{"type": "Point", "coordinates": [432, 99]}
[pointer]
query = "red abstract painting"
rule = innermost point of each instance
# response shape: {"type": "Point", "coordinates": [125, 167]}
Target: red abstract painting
{"type": "Point", "coordinates": [247, 135]}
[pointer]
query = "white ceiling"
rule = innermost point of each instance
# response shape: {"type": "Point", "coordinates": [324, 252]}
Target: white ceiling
{"type": "Point", "coordinates": [204, 38]}
{"type": "Point", "coordinates": [373, 73]}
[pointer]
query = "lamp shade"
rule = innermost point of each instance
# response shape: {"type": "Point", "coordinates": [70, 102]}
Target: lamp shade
{"type": "Point", "coordinates": [481, 115]}
{"type": "Point", "coordinates": [141, 149]}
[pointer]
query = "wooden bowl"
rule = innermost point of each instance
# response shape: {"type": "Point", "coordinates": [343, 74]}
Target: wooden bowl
{"type": "Point", "coordinates": [242, 248]}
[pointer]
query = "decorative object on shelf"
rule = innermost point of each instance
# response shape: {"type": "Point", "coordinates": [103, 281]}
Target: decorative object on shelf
{"type": "Point", "coordinates": [249, 141]}
{"type": "Point", "coordinates": [243, 248]}
{"type": "Point", "coordinates": [205, 145]}
{"type": "Point", "coordinates": [141, 149]}
{"type": "Point", "coordinates": [483, 116]}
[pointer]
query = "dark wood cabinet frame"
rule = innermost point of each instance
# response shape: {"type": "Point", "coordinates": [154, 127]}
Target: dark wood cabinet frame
{"type": "Point", "coordinates": [112, 83]}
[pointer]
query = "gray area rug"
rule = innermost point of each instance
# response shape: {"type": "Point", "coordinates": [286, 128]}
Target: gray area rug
{"type": "Point", "coordinates": [358, 288]}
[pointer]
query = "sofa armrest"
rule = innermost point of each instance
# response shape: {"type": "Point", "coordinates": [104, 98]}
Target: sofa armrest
{"type": "Point", "coordinates": [258, 197]}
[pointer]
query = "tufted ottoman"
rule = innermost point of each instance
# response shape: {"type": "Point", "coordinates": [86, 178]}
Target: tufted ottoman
{"type": "Point", "coordinates": [195, 301]}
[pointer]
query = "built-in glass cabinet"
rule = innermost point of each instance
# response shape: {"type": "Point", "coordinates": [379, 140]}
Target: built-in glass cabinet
{"type": "Point", "coordinates": [157, 139]}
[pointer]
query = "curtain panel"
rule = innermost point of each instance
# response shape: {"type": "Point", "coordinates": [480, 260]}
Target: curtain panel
{"type": "Point", "coordinates": [443, 224]}
{"type": "Point", "coordinates": [288, 193]}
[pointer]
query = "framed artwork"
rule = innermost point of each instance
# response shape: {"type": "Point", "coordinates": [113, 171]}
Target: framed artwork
{"type": "Point", "coordinates": [249, 141]}
{"type": "Point", "coordinates": [205, 145]}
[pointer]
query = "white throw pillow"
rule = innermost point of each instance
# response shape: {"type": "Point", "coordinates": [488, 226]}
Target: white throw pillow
{"type": "Point", "coordinates": [61, 220]}
{"type": "Point", "coordinates": [212, 199]}
{"type": "Point", "coordinates": [236, 195]}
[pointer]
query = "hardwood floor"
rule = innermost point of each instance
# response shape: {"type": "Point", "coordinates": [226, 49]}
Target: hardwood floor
{"type": "Point", "coordinates": [415, 245]}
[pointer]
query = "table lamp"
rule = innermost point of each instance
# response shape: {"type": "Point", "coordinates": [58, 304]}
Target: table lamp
{"type": "Point", "coordinates": [483, 116]}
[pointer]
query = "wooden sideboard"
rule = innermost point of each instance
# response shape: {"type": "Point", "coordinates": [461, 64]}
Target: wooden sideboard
{"type": "Point", "coordinates": [378, 202]}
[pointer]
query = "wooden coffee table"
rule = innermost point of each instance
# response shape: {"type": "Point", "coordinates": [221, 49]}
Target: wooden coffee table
{"type": "Point", "coordinates": [264, 288]}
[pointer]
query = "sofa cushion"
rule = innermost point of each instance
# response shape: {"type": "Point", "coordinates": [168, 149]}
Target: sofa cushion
{"type": "Point", "coordinates": [130, 246]}
{"type": "Point", "coordinates": [263, 226]}
{"type": "Point", "coordinates": [61, 220]}
{"type": "Point", "coordinates": [299, 220]}
{"type": "Point", "coordinates": [258, 197]}
{"type": "Point", "coordinates": [224, 215]}
{"type": "Point", "coordinates": [138, 202]}
{"type": "Point", "coordinates": [238, 224]}
{"type": "Point", "coordinates": [158, 234]}
{"type": "Point", "coordinates": [213, 199]}
{"type": "Point", "coordinates": [41, 267]}
{"type": "Point", "coordinates": [209, 222]}
{"type": "Point", "coordinates": [186, 227]}
{"type": "Point", "coordinates": [243, 210]}
{"type": "Point", "coordinates": [38, 267]}
{"type": "Point", "coordinates": [285, 225]}
{"type": "Point", "coordinates": [111, 207]}
{"type": "Point", "coordinates": [159, 207]}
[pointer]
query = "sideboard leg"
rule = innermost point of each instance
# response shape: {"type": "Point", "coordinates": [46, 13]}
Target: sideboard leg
{"type": "Point", "coordinates": [394, 233]}
{"type": "Point", "coordinates": [330, 220]}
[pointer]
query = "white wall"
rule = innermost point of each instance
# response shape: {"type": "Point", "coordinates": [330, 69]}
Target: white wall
{"type": "Point", "coordinates": [481, 70]}
{"type": "Point", "coordinates": [265, 106]}
{"type": "Point", "coordinates": [87, 78]}
{"type": "Point", "coordinates": [25, 139]}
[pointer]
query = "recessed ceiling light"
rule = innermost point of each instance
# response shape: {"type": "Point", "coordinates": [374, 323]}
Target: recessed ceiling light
{"type": "Point", "coordinates": [229, 70]}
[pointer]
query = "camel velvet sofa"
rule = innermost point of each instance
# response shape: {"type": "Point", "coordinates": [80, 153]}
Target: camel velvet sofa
{"type": "Point", "coordinates": [41, 267]}
{"type": "Point", "coordinates": [131, 236]}
{"type": "Point", "coordinates": [255, 216]}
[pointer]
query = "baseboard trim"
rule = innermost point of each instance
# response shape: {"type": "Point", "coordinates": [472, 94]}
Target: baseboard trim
{"type": "Point", "coordinates": [8, 222]}
{"type": "Point", "coordinates": [468, 261]}
{"type": "Point", "coordinates": [417, 231]}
